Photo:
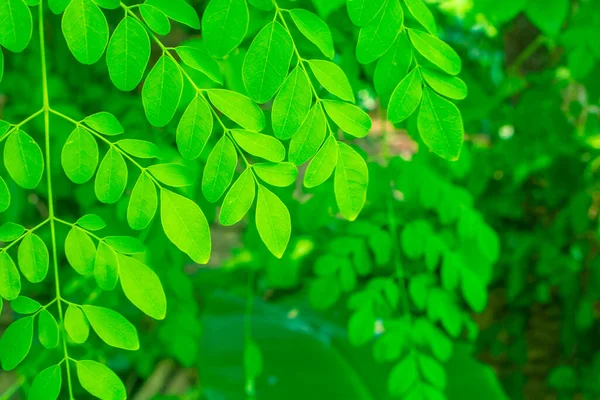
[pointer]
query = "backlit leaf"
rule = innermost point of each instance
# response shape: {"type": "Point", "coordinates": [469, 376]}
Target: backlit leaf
{"type": "Point", "coordinates": [23, 159]}
{"type": "Point", "coordinates": [308, 139]}
{"type": "Point", "coordinates": [105, 123]}
{"type": "Point", "coordinates": [79, 157]}
{"type": "Point", "coordinates": [440, 125]}
{"type": "Point", "coordinates": [128, 54]}
{"type": "Point", "coordinates": [436, 51]}
{"type": "Point", "coordinates": [91, 222]}
{"type": "Point", "coordinates": [419, 10]}
{"type": "Point", "coordinates": [171, 174]}
{"type": "Point", "coordinates": [16, 26]}
{"type": "Point", "coordinates": [322, 165]}
{"type": "Point", "coordinates": [449, 86]}
{"type": "Point", "coordinates": [178, 10]}
{"type": "Point", "coordinates": [239, 108]}
{"type": "Point", "coordinates": [10, 280]}
{"type": "Point", "coordinates": [197, 57]}
{"type": "Point", "coordinates": [406, 97]}
{"type": "Point", "coordinates": [33, 258]}
{"type": "Point", "coordinates": [25, 305]}
{"type": "Point", "coordinates": [280, 174]}
{"type": "Point", "coordinates": [259, 145]}
{"type": "Point", "coordinates": [4, 195]}
{"type": "Point", "coordinates": [362, 12]}
{"type": "Point", "coordinates": [85, 29]}
{"type": "Point", "coordinates": [219, 169]}
{"type": "Point", "coordinates": [16, 343]}
{"type": "Point", "coordinates": [162, 91]}
{"type": "Point", "coordinates": [238, 199]}
{"type": "Point", "coordinates": [139, 148]}
{"type": "Point", "coordinates": [142, 203]}
{"type": "Point", "coordinates": [272, 221]}
{"type": "Point", "coordinates": [80, 251]}
{"type": "Point", "coordinates": [224, 25]}
{"type": "Point", "coordinates": [194, 128]}
{"type": "Point", "coordinates": [315, 30]}
{"type": "Point", "coordinates": [333, 79]}
{"type": "Point", "coordinates": [348, 117]}
{"type": "Point", "coordinates": [47, 330]}
{"type": "Point", "coordinates": [112, 327]}
{"type": "Point", "coordinates": [106, 268]}
{"type": "Point", "coordinates": [350, 182]}
{"type": "Point", "coordinates": [100, 381]}
{"type": "Point", "coordinates": [76, 324]}
{"type": "Point", "coordinates": [379, 35]}
{"type": "Point", "coordinates": [111, 178]}
{"type": "Point", "coordinates": [291, 105]}
{"type": "Point", "coordinates": [155, 19]}
{"type": "Point", "coordinates": [392, 67]}
{"type": "Point", "coordinates": [46, 385]}
{"type": "Point", "coordinates": [142, 287]}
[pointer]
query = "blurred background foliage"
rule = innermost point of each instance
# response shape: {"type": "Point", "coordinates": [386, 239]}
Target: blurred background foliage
{"type": "Point", "coordinates": [349, 303]}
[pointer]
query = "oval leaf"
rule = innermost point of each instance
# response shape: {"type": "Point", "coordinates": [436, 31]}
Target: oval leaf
{"type": "Point", "coordinates": [33, 258]}
{"type": "Point", "coordinates": [162, 91]}
{"type": "Point", "coordinates": [111, 178]}
{"type": "Point", "coordinates": [238, 200]}
{"type": "Point", "coordinates": [142, 203]}
{"type": "Point", "coordinates": [79, 157]}
{"type": "Point", "coordinates": [440, 125]}
{"type": "Point", "coordinates": [23, 159]}
{"type": "Point", "coordinates": [273, 221]}
{"type": "Point", "coordinates": [350, 181]}
{"type": "Point", "coordinates": [112, 327]}
{"type": "Point", "coordinates": [219, 169]}
{"type": "Point", "coordinates": [291, 105]}
{"type": "Point", "coordinates": [85, 29]}
{"type": "Point", "coordinates": [142, 287]}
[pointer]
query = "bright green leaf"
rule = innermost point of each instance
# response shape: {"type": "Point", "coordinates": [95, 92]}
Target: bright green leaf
{"type": "Point", "coordinates": [322, 165]}
{"type": "Point", "coordinates": [125, 244]}
{"type": "Point", "coordinates": [308, 139]}
{"type": "Point", "coordinates": [111, 178]}
{"type": "Point", "coordinates": [333, 79]}
{"type": "Point", "coordinates": [362, 12]}
{"type": "Point", "coordinates": [224, 25]}
{"type": "Point", "coordinates": [197, 57]}
{"type": "Point", "coordinates": [140, 148]}
{"type": "Point", "coordinates": [259, 145]}
{"type": "Point", "coordinates": [25, 305]}
{"type": "Point", "coordinates": [80, 251]}
{"type": "Point", "coordinates": [106, 268]}
{"type": "Point", "coordinates": [379, 35]}
{"type": "Point", "coordinates": [194, 128]}
{"type": "Point", "coordinates": [239, 108]}
{"type": "Point", "coordinates": [436, 51]}
{"type": "Point", "coordinates": [76, 324]}
{"type": "Point", "coordinates": [46, 385]}
{"type": "Point", "coordinates": [162, 91]}
{"type": "Point", "coordinates": [10, 280]}
{"type": "Point", "coordinates": [23, 159]}
{"type": "Point", "coordinates": [10, 231]}
{"type": "Point", "coordinates": [16, 26]}
{"type": "Point", "coordinates": [178, 10]}
{"type": "Point", "coordinates": [350, 181]}
{"type": "Point", "coordinates": [85, 29]}
{"type": "Point", "coordinates": [142, 203]}
{"type": "Point", "coordinates": [449, 86]}
{"type": "Point", "coordinates": [219, 169]}
{"type": "Point", "coordinates": [419, 10]}
{"type": "Point", "coordinates": [105, 123]}
{"type": "Point", "coordinates": [112, 327]}
{"type": "Point", "coordinates": [128, 54]}
{"type": "Point", "coordinates": [79, 157]}
{"type": "Point", "coordinates": [315, 30]}
{"type": "Point", "coordinates": [406, 97]}
{"type": "Point", "coordinates": [291, 105]}
{"type": "Point", "coordinates": [142, 287]}
{"type": "Point", "coordinates": [155, 19]}
{"type": "Point", "coordinates": [91, 222]}
{"type": "Point", "coordinates": [392, 67]}
{"type": "Point", "coordinates": [47, 330]}
{"type": "Point", "coordinates": [280, 174]}
{"type": "Point", "coordinates": [33, 258]}
{"type": "Point", "coordinates": [348, 117]}
{"type": "Point", "coordinates": [4, 196]}
{"type": "Point", "coordinates": [273, 221]}
{"type": "Point", "coordinates": [100, 381]}
{"type": "Point", "coordinates": [238, 199]}
{"type": "Point", "coordinates": [16, 343]}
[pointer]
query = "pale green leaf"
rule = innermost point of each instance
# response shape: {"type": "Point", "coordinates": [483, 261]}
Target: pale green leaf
{"type": "Point", "coordinates": [196, 56]}
{"type": "Point", "coordinates": [125, 244]}
{"type": "Point", "coordinates": [128, 54]}
{"type": "Point", "coordinates": [23, 159]}
{"type": "Point", "coordinates": [362, 12]}
{"type": "Point", "coordinates": [291, 105]}
{"type": "Point", "coordinates": [47, 330]}
{"type": "Point", "coordinates": [185, 225]}
{"type": "Point", "coordinates": [4, 195]}
{"type": "Point", "coordinates": [10, 280]}
{"type": "Point", "coordinates": [267, 62]}
{"type": "Point", "coordinates": [280, 174]}
{"type": "Point", "coordinates": [224, 25]}
{"type": "Point", "coordinates": [25, 305]}
{"type": "Point", "coordinates": [419, 10]}
{"type": "Point", "coordinates": [76, 324]}
{"type": "Point", "coordinates": [16, 343]}
{"type": "Point", "coordinates": [440, 125]}
{"type": "Point", "coordinates": [348, 117]}
{"type": "Point", "coordinates": [177, 10]}
{"type": "Point", "coordinates": [100, 381]}
{"type": "Point", "coordinates": [106, 268]}
{"type": "Point", "coordinates": [219, 169]}
{"type": "Point", "coordinates": [155, 19]}
{"type": "Point", "coordinates": [105, 123]}
{"type": "Point", "coordinates": [162, 91]}
{"type": "Point", "coordinates": [392, 67]}
{"type": "Point", "coordinates": [315, 30]}
{"type": "Point", "coordinates": [33, 258]}
{"type": "Point", "coordinates": [91, 222]}
{"type": "Point", "coordinates": [85, 29]}
{"type": "Point", "coordinates": [46, 385]}
{"type": "Point", "coordinates": [142, 203]}
{"type": "Point", "coordinates": [333, 79]}
{"type": "Point", "coordinates": [140, 148]}
{"type": "Point", "coordinates": [272, 221]}
{"type": "Point", "coordinates": [142, 287]}
{"type": "Point", "coordinates": [111, 178]}
{"type": "Point", "coordinates": [194, 128]}
{"type": "Point", "coordinates": [238, 199]}
{"type": "Point", "coordinates": [449, 86]}
{"type": "Point", "coordinates": [379, 35]}
{"type": "Point", "coordinates": [16, 26]}
{"type": "Point", "coordinates": [306, 142]}
{"type": "Point", "coordinates": [10, 231]}
{"type": "Point", "coordinates": [259, 145]}
{"type": "Point", "coordinates": [171, 174]}
{"type": "Point", "coordinates": [406, 97]}
{"type": "Point", "coordinates": [80, 251]}
{"type": "Point", "coordinates": [322, 165]}
{"type": "Point", "coordinates": [350, 181]}
{"type": "Point", "coordinates": [436, 51]}
{"type": "Point", "coordinates": [112, 327]}
{"type": "Point", "coordinates": [239, 108]}
{"type": "Point", "coordinates": [79, 157]}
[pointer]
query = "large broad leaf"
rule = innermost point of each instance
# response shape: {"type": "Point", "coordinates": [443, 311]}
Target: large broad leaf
{"type": "Point", "coordinates": [291, 105]}
{"type": "Point", "coordinates": [267, 62]}
{"type": "Point", "coordinates": [350, 182]}
{"type": "Point", "coordinates": [378, 36]}
{"type": "Point", "coordinates": [162, 91]}
{"type": "Point", "coordinates": [15, 26]}
{"type": "Point", "coordinates": [224, 25]}
{"type": "Point", "coordinates": [86, 30]}
{"type": "Point", "coordinates": [273, 221]}
{"type": "Point", "coordinates": [23, 159]}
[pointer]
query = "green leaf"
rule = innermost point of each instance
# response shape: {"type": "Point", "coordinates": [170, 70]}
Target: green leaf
{"type": "Point", "coordinates": [142, 287]}
{"type": "Point", "coordinates": [406, 97]}
{"type": "Point", "coordinates": [239, 108]}
{"type": "Point", "coordinates": [79, 157]}
{"type": "Point", "coordinates": [350, 181]}
{"type": "Point", "coordinates": [4, 196]}
{"type": "Point", "coordinates": [308, 139]}
{"type": "Point", "coordinates": [155, 19]}
{"type": "Point", "coordinates": [224, 25]}
{"type": "Point", "coordinates": [333, 79]}
{"type": "Point", "coordinates": [548, 15]}
{"type": "Point", "coordinates": [10, 280]}
{"type": "Point", "coordinates": [265, 5]}
{"type": "Point", "coordinates": [219, 169]}
{"type": "Point", "coordinates": [177, 10]}
{"type": "Point", "coordinates": [348, 117]}
{"type": "Point", "coordinates": [277, 174]}
{"type": "Point", "coordinates": [440, 125]}
{"type": "Point", "coordinates": [142, 203]}
{"type": "Point", "coordinates": [419, 10]}
{"type": "Point", "coordinates": [76, 324]}
{"type": "Point", "coordinates": [85, 29]}
{"type": "Point", "coordinates": [125, 244]}
{"type": "Point", "coordinates": [91, 222]}
{"type": "Point", "coordinates": [25, 305]}
{"type": "Point", "coordinates": [273, 221]}
{"type": "Point", "coordinates": [23, 159]}
{"type": "Point", "coordinates": [322, 165]}
{"type": "Point", "coordinates": [315, 30]}
{"type": "Point", "coordinates": [267, 62]}
{"type": "Point", "coordinates": [291, 105]}
{"type": "Point", "coordinates": [80, 251]}
{"type": "Point", "coordinates": [128, 54]}
{"type": "Point", "coordinates": [259, 145]}
{"type": "Point", "coordinates": [403, 377]}
{"type": "Point", "coordinates": [33, 258]}
{"type": "Point", "coordinates": [436, 51]}
{"type": "Point", "coordinates": [16, 343]}
{"type": "Point", "coordinates": [162, 91]}
{"type": "Point", "coordinates": [16, 26]}
{"type": "Point", "coordinates": [379, 35]}
{"type": "Point", "coordinates": [361, 327]}
{"type": "Point", "coordinates": [47, 330]}
{"type": "Point", "coordinates": [171, 174]}
{"type": "Point", "coordinates": [58, 6]}
{"type": "Point", "coordinates": [112, 327]}
{"type": "Point", "coordinates": [1, 64]}
{"type": "Point", "coordinates": [239, 199]}
{"type": "Point", "coordinates": [10, 231]}
{"type": "Point", "coordinates": [111, 178]}
{"type": "Point", "coordinates": [105, 123]}
{"type": "Point", "coordinates": [46, 385]}
{"type": "Point", "coordinates": [100, 381]}
{"type": "Point", "coordinates": [449, 86]}
{"type": "Point", "coordinates": [140, 148]}
{"type": "Point", "coordinates": [185, 225]}
{"type": "Point", "coordinates": [324, 292]}
{"type": "Point", "coordinates": [196, 56]}
{"type": "Point", "coordinates": [432, 371]}
{"type": "Point", "coordinates": [362, 12]}
{"type": "Point", "coordinates": [194, 128]}
{"type": "Point", "coordinates": [473, 290]}
{"type": "Point", "coordinates": [106, 268]}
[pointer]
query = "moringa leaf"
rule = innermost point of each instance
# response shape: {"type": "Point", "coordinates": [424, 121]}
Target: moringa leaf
{"type": "Point", "coordinates": [33, 258]}
{"type": "Point", "coordinates": [219, 169]}
{"type": "Point", "coordinates": [239, 108]}
{"type": "Point", "coordinates": [224, 25]}
{"type": "Point", "coordinates": [76, 324]}
{"type": "Point", "coordinates": [142, 287]}
{"type": "Point", "coordinates": [392, 67]}
{"type": "Point", "coordinates": [47, 329]}
{"type": "Point", "coordinates": [449, 86]}
{"type": "Point", "coordinates": [291, 105]}
{"type": "Point", "coordinates": [333, 79]}
{"type": "Point", "coordinates": [322, 165]}
{"type": "Point", "coordinates": [85, 29]}
{"type": "Point", "coordinates": [379, 35]}
{"type": "Point", "coordinates": [196, 56]}
{"type": "Point", "coordinates": [194, 128]}
{"type": "Point", "coordinates": [46, 385]}
{"type": "Point", "coordinates": [308, 139]}
{"type": "Point", "coordinates": [259, 145]}
{"type": "Point", "coordinates": [280, 174]}
{"type": "Point", "coordinates": [16, 343]}
{"type": "Point", "coordinates": [112, 327]}
{"type": "Point", "coordinates": [111, 178]}
{"type": "Point", "coordinates": [79, 157]}
{"type": "Point", "coordinates": [406, 97]}
{"type": "Point", "coordinates": [162, 91]}
{"type": "Point", "coordinates": [106, 267]}
{"type": "Point", "coordinates": [16, 26]}
{"type": "Point", "coordinates": [171, 174]}
{"type": "Point", "coordinates": [419, 10]}
{"type": "Point", "coordinates": [362, 12]}
{"type": "Point", "coordinates": [10, 231]}
{"type": "Point", "coordinates": [10, 280]}
{"type": "Point", "coordinates": [105, 123]}
{"type": "Point", "coordinates": [436, 51]}
{"type": "Point", "coordinates": [139, 148]}
{"type": "Point", "coordinates": [23, 159]}
{"type": "Point", "coordinates": [100, 381]}
{"type": "Point", "coordinates": [315, 30]}
{"type": "Point", "coordinates": [91, 222]}
{"type": "Point", "coordinates": [177, 10]}
{"type": "Point", "coordinates": [4, 196]}
{"type": "Point", "coordinates": [272, 221]}
{"type": "Point", "coordinates": [348, 117]}
{"type": "Point", "coordinates": [125, 244]}
{"type": "Point", "coordinates": [80, 251]}
{"type": "Point", "coordinates": [142, 203]}
{"type": "Point", "coordinates": [25, 305]}
{"type": "Point", "coordinates": [350, 181]}
{"type": "Point", "coordinates": [238, 199]}
{"type": "Point", "coordinates": [155, 19]}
